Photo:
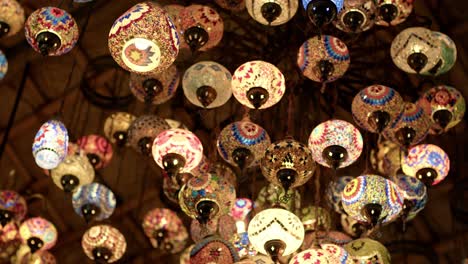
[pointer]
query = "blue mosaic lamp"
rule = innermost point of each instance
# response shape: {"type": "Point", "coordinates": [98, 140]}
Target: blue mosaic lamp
{"type": "Point", "coordinates": [94, 202]}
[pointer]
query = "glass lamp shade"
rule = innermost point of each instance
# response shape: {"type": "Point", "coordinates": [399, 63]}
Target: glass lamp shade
{"type": "Point", "coordinates": [315, 218]}
{"type": "Point", "coordinates": [272, 195]}
{"type": "Point", "coordinates": [73, 172]}
{"type": "Point", "coordinates": [174, 11]}
{"type": "Point", "coordinates": [335, 143]}
{"type": "Point", "coordinates": [207, 84]}
{"type": "Point", "coordinates": [448, 55]}
{"type": "Point", "coordinates": [98, 150]}
{"type": "Point", "coordinates": [393, 12]}
{"type": "Point", "coordinates": [323, 59]}
{"type": "Point", "coordinates": [258, 84]}
{"type": "Point", "coordinates": [365, 250]}
{"type": "Point", "coordinates": [116, 127]}
{"type": "Point", "coordinates": [144, 40]}
{"type": "Point", "coordinates": [243, 143]}
{"type": "Point", "coordinates": [143, 130]}
{"type": "Point", "coordinates": [445, 105]}
{"type": "Point", "coordinates": [155, 88]}
{"type": "Point", "coordinates": [38, 233]}
{"type": "Point", "coordinates": [326, 253]}
{"type": "Point", "coordinates": [3, 65]}
{"type": "Point", "coordinates": [276, 225]}
{"type": "Point", "coordinates": [51, 31]}
{"type": "Point", "coordinates": [272, 12]}
{"type": "Point", "coordinates": [287, 163]}
{"type": "Point", "coordinates": [241, 209]}
{"type": "Point", "coordinates": [356, 16]}
{"type": "Point", "coordinates": [411, 128]}
{"type": "Point", "coordinates": [224, 227]}
{"type": "Point", "coordinates": [362, 195]}
{"type": "Point", "coordinates": [165, 230]}
{"type": "Point", "coordinates": [203, 251]}
{"type": "Point", "coordinates": [222, 169]}
{"type": "Point", "coordinates": [179, 142]}
{"type": "Point", "coordinates": [211, 192]}
{"type": "Point", "coordinates": [202, 27]}
{"type": "Point", "coordinates": [376, 107]}
{"type": "Point", "coordinates": [11, 18]}
{"type": "Point", "coordinates": [103, 243]}
{"type": "Point", "coordinates": [429, 163]}
{"type": "Point", "coordinates": [415, 50]}
{"type": "Point", "coordinates": [232, 5]}
{"type": "Point", "coordinates": [322, 12]}
{"type": "Point", "coordinates": [94, 202]}
{"type": "Point", "coordinates": [334, 191]}
{"type": "Point", "coordinates": [202, 167]}
{"type": "Point", "coordinates": [50, 144]}
{"type": "Point", "coordinates": [415, 195]}
{"type": "Point", "coordinates": [13, 207]}
{"type": "Point", "coordinates": [256, 259]}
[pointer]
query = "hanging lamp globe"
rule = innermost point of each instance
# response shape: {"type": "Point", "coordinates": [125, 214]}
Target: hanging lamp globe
{"type": "Point", "coordinates": [323, 59]}
{"type": "Point", "coordinates": [276, 232]}
{"type": "Point", "coordinates": [13, 208]}
{"type": "Point", "coordinates": [177, 151]}
{"type": "Point", "coordinates": [50, 144]}
{"type": "Point", "coordinates": [414, 194]}
{"type": "Point", "coordinates": [207, 84]}
{"type": "Point", "coordinates": [426, 162]}
{"type": "Point", "coordinates": [365, 250]}
{"type": "Point", "coordinates": [73, 172]}
{"type": "Point", "coordinates": [51, 31]}
{"type": "Point", "coordinates": [142, 132]}
{"type": "Point", "coordinates": [287, 163]}
{"type": "Point", "coordinates": [3, 65]}
{"type": "Point", "coordinates": [376, 107]}
{"type": "Point", "coordinates": [206, 198]}
{"type": "Point", "coordinates": [116, 127]}
{"type": "Point", "coordinates": [11, 18]}
{"type": "Point", "coordinates": [334, 191]}
{"type": "Point", "coordinates": [144, 40]}
{"type": "Point", "coordinates": [272, 196]}
{"type": "Point", "coordinates": [94, 202]}
{"type": "Point", "coordinates": [393, 12]}
{"type": "Point", "coordinates": [415, 50]}
{"type": "Point", "coordinates": [372, 199]}
{"type": "Point", "coordinates": [448, 55]}
{"type": "Point", "coordinates": [40, 257]}
{"type": "Point", "coordinates": [325, 237]}
{"type": "Point", "coordinates": [258, 84]}
{"type": "Point", "coordinates": [104, 244]}
{"type": "Point", "coordinates": [202, 27]}
{"type": "Point", "coordinates": [324, 253]}
{"type": "Point", "coordinates": [242, 143]}
{"type": "Point", "coordinates": [411, 128]}
{"type": "Point", "coordinates": [203, 251]}
{"type": "Point", "coordinates": [97, 149]}
{"type": "Point", "coordinates": [271, 12]}
{"type": "Point", "coordinates": [156, 88]}
{"type": "Point", "coordinates": [356, 16]}
{"type": "Point", "coordinates": [38, 233]}
{"type": "Point", "coordinates": [165, 230]}
{"type": "Point", "coordinates": [322, 12]}
{"type": "Point", "coordinates": [335, 144]}
{"type": "Point", "coordinates": [445, 105]}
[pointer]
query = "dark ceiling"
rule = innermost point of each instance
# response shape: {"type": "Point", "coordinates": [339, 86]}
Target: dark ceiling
{"type": "Point", "coordinates": [439, 229]}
